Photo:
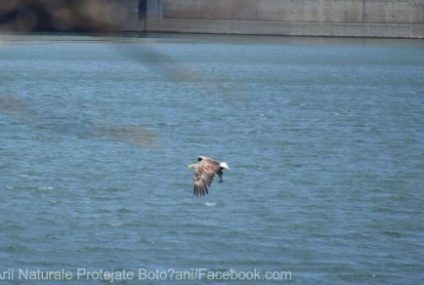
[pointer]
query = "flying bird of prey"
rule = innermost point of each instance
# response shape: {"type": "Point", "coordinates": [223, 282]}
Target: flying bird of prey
{"type": "Point", "coordinates": [204, 171]}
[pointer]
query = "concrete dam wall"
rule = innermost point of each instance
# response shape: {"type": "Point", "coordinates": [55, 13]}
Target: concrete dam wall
{"type": "Point", "coordinates": [350, 18]}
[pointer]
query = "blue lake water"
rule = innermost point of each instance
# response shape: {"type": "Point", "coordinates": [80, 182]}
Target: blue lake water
{"type": "Point", "coordinates": [324, 137]}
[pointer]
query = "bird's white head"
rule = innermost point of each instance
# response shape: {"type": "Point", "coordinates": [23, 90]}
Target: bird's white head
{"type": "Point", "coordinates": [224, 165]}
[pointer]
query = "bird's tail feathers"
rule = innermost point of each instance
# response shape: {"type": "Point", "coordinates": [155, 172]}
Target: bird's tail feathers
{"type": "Point", "coordinates": [224, 165]}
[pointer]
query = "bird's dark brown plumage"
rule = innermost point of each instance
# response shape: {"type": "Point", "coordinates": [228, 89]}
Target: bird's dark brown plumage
{"type": "Point", "coordinates": [204, 172]}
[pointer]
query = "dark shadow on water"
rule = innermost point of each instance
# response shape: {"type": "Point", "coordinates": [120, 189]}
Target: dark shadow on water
{"type": "Point", "coordinates": [133, 134]}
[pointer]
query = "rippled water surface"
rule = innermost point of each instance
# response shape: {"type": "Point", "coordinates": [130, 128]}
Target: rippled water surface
{"type": "Point", "coordinates": [324, 138]}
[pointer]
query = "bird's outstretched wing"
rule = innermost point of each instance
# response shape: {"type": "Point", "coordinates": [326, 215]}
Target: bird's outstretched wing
{"type": "Point", "coordinates": [200, 185]}
{"type": "Point", "coordinates": [203, 176]}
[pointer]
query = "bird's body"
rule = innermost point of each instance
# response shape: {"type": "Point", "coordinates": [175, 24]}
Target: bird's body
{"type": "Point", "coordinates": [204, 171]}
